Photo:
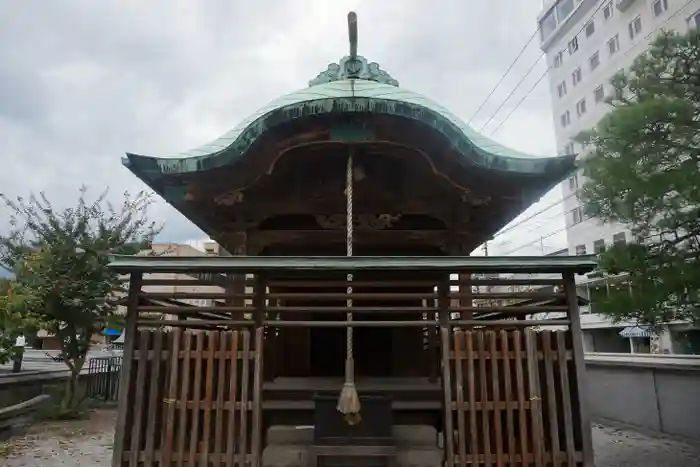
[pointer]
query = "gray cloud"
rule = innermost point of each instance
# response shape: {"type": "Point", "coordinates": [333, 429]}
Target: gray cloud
{"type": "Point", "coordinates": [82, 82]}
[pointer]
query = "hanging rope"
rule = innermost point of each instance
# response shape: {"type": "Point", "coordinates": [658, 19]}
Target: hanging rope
{"type": "Point", "coordinates": [349, 401]}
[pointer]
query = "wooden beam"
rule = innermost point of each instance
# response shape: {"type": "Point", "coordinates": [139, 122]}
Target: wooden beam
{"type": "Point", "coordinates": [262, 238]}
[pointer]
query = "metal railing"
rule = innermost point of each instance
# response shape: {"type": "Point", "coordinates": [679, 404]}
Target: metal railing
{"type": "Point", "coordinates": [103, 378]}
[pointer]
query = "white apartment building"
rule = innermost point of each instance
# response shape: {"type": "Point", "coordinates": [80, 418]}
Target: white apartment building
{"type": "Point", "coordinates": [586, 42]}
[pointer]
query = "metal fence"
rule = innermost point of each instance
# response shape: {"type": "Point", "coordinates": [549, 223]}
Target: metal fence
{"type": "Point", "coordinates": [103, 378]}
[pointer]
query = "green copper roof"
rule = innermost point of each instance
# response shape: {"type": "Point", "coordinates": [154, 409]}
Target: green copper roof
{"type": "Point", "coordinates": [452, 264]}
{"type": "Point", "coordinates": [348, 96]}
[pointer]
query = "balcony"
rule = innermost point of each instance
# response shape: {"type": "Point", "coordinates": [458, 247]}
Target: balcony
{"type": "Point", "coordinates": [623, 5]}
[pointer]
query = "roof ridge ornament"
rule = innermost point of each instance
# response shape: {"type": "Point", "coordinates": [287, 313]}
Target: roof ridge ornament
{"type": "Point", "coordinates": [353, 66]}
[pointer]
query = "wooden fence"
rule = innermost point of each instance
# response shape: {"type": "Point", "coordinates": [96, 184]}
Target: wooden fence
{"type": "Point", "coordinates": [193, 399]}
{"type": "Point", "coordinates": [514, 399]}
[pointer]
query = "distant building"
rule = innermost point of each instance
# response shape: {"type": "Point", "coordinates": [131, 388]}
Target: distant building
{"type": "Point", "coordinates": [48, 341]}
{"type": "Point", "coordinates": [586, 42]}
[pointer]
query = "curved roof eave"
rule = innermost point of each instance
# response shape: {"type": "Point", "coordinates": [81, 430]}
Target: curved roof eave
{"type": "Point", "coordinates": [349, 96]}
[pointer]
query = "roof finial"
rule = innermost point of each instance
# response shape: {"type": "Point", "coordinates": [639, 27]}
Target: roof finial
{"type": "Point", "coordinates": [353, 66]}
{"type": "Point", "coordinates": [352, 34]}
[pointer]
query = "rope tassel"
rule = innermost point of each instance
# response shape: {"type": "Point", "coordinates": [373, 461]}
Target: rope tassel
{"type": "Point", "coordinates": [349, 400]}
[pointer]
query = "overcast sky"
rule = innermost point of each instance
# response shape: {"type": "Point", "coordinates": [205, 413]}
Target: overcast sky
{"type": "Point", "coordinates": [82, 82]}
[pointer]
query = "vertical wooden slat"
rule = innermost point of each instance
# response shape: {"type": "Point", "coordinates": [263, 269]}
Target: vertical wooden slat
{"type": "Point", "coordinates": [144, 342]}
{"type": "Point", "coordinates": [245, 377]}
{"type": "Point", "coordinates": [220, 388]}
{"type": "Point", "coordinates": [535, 396]}
{"type": "Point", "coordinates": [548, 362]}
{"type": "Point", "coordinates": [566, 398]}
{"type": "Point", "coordinates": [459, 388]}
{"type": "Point", "coordinates": [174, 339]}
{"type": "Point", "coordinates": [579, 365]}
{"type": "Point", "coordinates": [183, 426]}
{"type": "Point", "coordinates": [520, 382]}
{"type": "Point", "coordinates": [233, 395]}
{"type": "Point", "coordinates": [212, 344]}
{"type": "Point", "coordinates": [508, 387]}
{"type": "Point", "coordinates": [484, 397]}
{"type": "Point", "coordinates": [495, 387]}
{"type": "Point", "coordinates": [126, 382]}
{"type": "Point", "coordinates": [153, 402]}
{"type": "Point", "coordinates": [256, 436]}
{"type": "Point", "coordinates": [471, 390]}
{"type": "Point", "coordinates": [196, 398]}
{"type": "Point", "coordinates": [445, 339]}
{"type": "Point", "coordinates": [259, 301]}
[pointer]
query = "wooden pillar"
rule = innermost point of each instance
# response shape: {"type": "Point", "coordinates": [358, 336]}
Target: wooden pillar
{"type": "Point", "coordinates": [236, 285]}
{"type": "Point", "coordinates": [458, 247]}
{"type": "Point", "coordinates": [579, 364]}
{"type": "Point", "coordinates": [125, 381]}
{"type": "Point", "coordinates": [445, 345]}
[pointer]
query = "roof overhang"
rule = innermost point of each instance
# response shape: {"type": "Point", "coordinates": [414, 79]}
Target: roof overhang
{"type": "Point", "coordinates": [352, 96]}
{"type": "Point", "coordinates": [451, 264]}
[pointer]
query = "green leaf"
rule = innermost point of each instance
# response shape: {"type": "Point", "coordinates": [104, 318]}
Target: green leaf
{"type": "Point", "coordinates": [643, 171]}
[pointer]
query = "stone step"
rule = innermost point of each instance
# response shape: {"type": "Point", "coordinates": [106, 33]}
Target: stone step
{"type": "Point", "coordinates": [404, 435]}
{"type": "Point", "coordinates": [298, 456]}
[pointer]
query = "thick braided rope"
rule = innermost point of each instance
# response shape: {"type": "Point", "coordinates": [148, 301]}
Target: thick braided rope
{"type": "Point", "coordinates": [348, 241]}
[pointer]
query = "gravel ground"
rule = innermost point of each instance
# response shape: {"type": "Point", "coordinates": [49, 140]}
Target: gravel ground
{"type": "Point", "coordinates": [89, 444]}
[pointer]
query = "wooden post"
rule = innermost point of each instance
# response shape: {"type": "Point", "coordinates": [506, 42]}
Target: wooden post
{"type": "Point", "coordinates": [446, 338]}
{"type": "Point", "coordinates": [580, 367]}
{"type": "Point", "coordinates": [125, 382]}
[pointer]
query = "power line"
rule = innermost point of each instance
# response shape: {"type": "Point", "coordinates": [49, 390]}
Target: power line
{"type": "Point", "coordinates": [528, 73]}
{"type": "Point", "coordinates": [677, 12]}
{"type": "Point", "coordinates": [562, 50]}
{"type": "Point", "coordinates": [556, 203]}
{"type": "Point", "coordinates": [540, 78]}
{"type": "Point", "coordinates": [522, 80]}
{"type": "Point", "coordinates": [504, 75]}
{"type": "Point", "coordinates": [539, 239]}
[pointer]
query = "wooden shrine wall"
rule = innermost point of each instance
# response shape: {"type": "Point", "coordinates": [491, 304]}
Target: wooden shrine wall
{"type": "Point", "coordinates": [193, 399]}
{"type": "Point", "coordinates": [514, 399]}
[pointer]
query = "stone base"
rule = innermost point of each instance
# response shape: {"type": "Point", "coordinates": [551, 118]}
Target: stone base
{"type": "Point", "coordinates": [404, 435]}
{"type": "Point", "coordinates": [288, 446]}
{"type": "Point", "coordinates": [298, 456]}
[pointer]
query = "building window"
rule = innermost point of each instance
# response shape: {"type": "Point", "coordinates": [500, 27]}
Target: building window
{"type": "Point", "coordinates": [573, 45]}
{"type": "Point", "coordinates": [608, 10]}
{"type": "Point", "coordinates": [614, 44]}
{"type": "Point", "coordinates": [573, 182]}
{"type": "Point", "coordinates": [659, 7]}
{"type": "Point", "coordinates": [580, 250]}
{"type": "Point", "coordinates": [581, 107]}
{"type": "Point", "coordinates": [590, 28]}
{"type": "Point", "coordinates": [561, 89]}
{"type": "Point", "coordinates": [558, 59]}
{"type": "Point", "coordinates": [569, 149]}
{"type": "Point", "coordinates": [694, 20]}
{"type": "Point", "coordinates": [565, 119]}
{"type": "Point", "coordinates": [564, 9]}
{"type": "Point", "coordinates": [548, 24]}
{"type": "Point", "coordinates": [576, 76]}
{"type": "Point", "coordinates": [635, 27]}
{"type": "Point", "coordinates": [577, 215]}
{"type": "Point", "coordinates": [599, 246]}
{"type": "Point", "coordinates": [619, 238]}
{"type": "Point", "coordinates": [599, 93]}
{"type": "Point", "coordinates": [594, 61]}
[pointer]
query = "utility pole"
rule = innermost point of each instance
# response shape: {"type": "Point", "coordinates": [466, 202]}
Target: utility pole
{"type": "Point", "coordinates": [486, 248]}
